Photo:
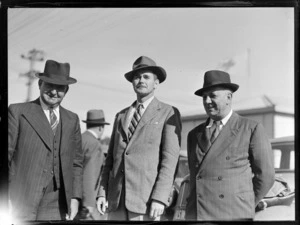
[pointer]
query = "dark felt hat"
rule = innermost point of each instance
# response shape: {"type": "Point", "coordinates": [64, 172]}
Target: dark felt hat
{"type": "Point", "coordinates": [216, 78]}
{"type": "Point", "coordinates": [95, 116]}
{"type": "Point", "coordinates": [56, 73]}
{"type": "Point", "coordinates": [145, 63]}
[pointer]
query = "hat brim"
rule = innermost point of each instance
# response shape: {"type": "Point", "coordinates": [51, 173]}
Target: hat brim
{"type": "Point", "coordinates": [42, 76]}
{"type": "Point", "coordinates": [231, 86]}
{"type": "Point", "coordinates": [157, 70]}
{"type": "Point", "coordinates": [95, 122]}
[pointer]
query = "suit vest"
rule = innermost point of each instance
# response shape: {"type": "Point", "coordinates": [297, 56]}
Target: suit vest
{"type": "Point", "coordinates": [53, 160]}
{"type": "Point", "coordinates": [56, 155]}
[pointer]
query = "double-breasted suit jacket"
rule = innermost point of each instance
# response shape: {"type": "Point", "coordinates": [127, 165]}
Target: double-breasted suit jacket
{"type": "Point", "coordinates": [92, 164]}
{"type": "Point", "coordinates": [30, 140]}
{"type": "Point", "coordinates": [236, 172]}
{"type": "Point", "coordinates": [145, 164]}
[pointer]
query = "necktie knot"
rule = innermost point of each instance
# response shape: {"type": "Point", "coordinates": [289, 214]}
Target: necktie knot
{"type": "Point", "coordinates": [217, 123]}
{"type": "Point", "coordinates": [139, 107]}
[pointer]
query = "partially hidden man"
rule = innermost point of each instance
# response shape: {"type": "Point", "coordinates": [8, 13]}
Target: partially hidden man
{"type": "Point", "coordinates": [230, 157]}
{"type": "Point", "coordinates": [45, 153]}
{"type": "Point", "coordinates": [143, 152]}
{"type": "Point", "coordinates": [94, 157]}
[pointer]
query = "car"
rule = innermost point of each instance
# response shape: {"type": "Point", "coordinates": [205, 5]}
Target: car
{"type": "Point", "coordinates": [278, 204]}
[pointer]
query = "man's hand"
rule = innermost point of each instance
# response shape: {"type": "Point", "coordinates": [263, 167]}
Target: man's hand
{"type": "Point", "coordinates": [101, 205]}
{"type": "Point", "coordinates": [74, 209]}
{"type": "Point", "coordinates": [156, 209]}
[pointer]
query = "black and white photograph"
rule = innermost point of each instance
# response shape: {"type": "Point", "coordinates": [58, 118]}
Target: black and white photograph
{"type": "Point", "coordinates": [151, 114]}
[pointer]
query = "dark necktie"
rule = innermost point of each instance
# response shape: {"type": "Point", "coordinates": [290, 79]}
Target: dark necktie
{"type": "Point", "coordinates": [215, 130]}
{"type": "Point", "coordinates": [53, 120]}
{"type": "Point", "coordinates": [135, 120]}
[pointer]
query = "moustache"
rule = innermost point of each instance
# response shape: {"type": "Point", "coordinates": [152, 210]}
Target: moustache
{"type": "Point", "coordinates": [141, 85]}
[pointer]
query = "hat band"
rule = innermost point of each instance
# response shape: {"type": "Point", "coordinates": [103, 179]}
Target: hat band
{"type": "Point", "coordinates": [96, 120]}
{"type": "Point", "coordinates": [140, 66]}
{"type": "Point", "coordinates": [55, 76]}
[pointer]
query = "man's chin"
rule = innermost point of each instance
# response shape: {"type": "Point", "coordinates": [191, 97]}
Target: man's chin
{"type": "Point", "coordinates": [52, 103]}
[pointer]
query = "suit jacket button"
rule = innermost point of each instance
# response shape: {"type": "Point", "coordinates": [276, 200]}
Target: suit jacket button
{"type": "Point", "coordinates": [199, 177]}
{"type": "Point", "coordinates": [126, 153]}
{"type": "Point", "coordinates": [122, 171]}
{"type": "Point", "coordinates": [220, 178]}
{"type": "Point", "coordinates": [227, 157]}
{"type": "Point", "coordinates": [221, 196]}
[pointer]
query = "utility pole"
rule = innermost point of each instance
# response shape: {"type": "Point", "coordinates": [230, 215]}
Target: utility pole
{"type": "Point", "coordinates": [33, 56]}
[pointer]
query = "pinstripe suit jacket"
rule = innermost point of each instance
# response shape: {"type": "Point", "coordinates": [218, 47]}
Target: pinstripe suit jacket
{"type": "Point", "coordinates": [30, 139]}
{"type": "Point", "coordinates": [145, 164]}
{"type": "Point", "coordinates": [236, 172]}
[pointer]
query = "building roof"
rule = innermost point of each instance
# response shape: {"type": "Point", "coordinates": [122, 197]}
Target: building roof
{"type": "Point", "coordinates": [257, 104]}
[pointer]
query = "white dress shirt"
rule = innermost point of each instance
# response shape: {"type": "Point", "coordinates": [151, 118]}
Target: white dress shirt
{"type": "Point", "coordinates": [223, 121]}
{"type": "Point", "coordinates": [47, 111]}
{"type": "Point", "coordinates": [93, 133]}
{"type": "Point", "coordinates": [143, 108]}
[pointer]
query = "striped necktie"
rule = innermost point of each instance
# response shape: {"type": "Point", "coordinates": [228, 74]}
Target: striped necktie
{"type": "Point", "coordinates": [53, 120]}
{"type": "Point", "coordinates": [215, 130]}
{"type": "Point", "coordinates": [135, 121]}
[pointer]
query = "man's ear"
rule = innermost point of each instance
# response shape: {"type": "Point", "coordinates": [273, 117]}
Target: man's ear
{"type": "Point", "coordinates": [156, 82]}
{"type": "Point", "coordinates": [40, 82]}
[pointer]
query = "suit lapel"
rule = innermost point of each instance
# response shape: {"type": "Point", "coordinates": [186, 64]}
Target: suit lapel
{"type": "Point", "coordinates": [149, 113]}
{"type": "Point", "coordinates": [38, 120]}
{"type": "Point", "coordinates": [224, 139]}
{"type": "Point", "coordinates": [65, 121]}
{"type": "Point", "coordinates": [124, 123]}
{"type": "Point", "coordinates": [203, 138]}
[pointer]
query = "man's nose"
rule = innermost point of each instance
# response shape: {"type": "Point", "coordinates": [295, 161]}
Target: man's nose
{"type": "Point", "coordinates": [53, 91]}
{"type": "Point", "coordinates": [207, 100]}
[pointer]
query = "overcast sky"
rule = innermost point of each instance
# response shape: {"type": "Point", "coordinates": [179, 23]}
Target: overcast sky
{"type": "Point", "coordinates": [101, 45]}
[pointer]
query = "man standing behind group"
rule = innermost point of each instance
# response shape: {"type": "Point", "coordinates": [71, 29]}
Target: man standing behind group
{"type": "Point", "coordinates": [45, 154]}
{"type": "Point", "coordinates": [230, 157]}
{"type": "Point", "coordinates": [93, 161]}
{"type": "Point", "coordinates": [143, 152]}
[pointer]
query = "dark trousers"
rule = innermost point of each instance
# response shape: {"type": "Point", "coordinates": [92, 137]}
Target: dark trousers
{"type": "Point", "coordinates": [53, 205]}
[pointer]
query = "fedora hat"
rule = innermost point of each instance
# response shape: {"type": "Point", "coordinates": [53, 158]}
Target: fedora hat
{"type": "Point", "coordinates": [145, 63]}
{"type": "Point", "coordinates": [56, 73]}
{"type": "Point", "coordinates": [95, 116]}
{"type": "Point", "coordinates": [216, 78]}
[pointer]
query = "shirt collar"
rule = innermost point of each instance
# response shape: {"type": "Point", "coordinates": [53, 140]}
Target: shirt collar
{"type": "Point", "coordinates": [224, 120]}
{"type": "Point", "coordinates": [93, 133]}
{"type": "Point", "coordinates": [146, 103]}
{"type": "Point", "coordinates": [45, 107]}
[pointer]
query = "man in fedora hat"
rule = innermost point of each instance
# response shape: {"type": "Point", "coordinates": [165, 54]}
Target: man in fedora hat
{"type": "Point", "coordinates": [45, 153]}
{"type": "Point", "coordinates": [230, 157]}
{"type": "Point", "coordinates": [93, 160]}
{"type": "Point", "coordinates": [143, 152]}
